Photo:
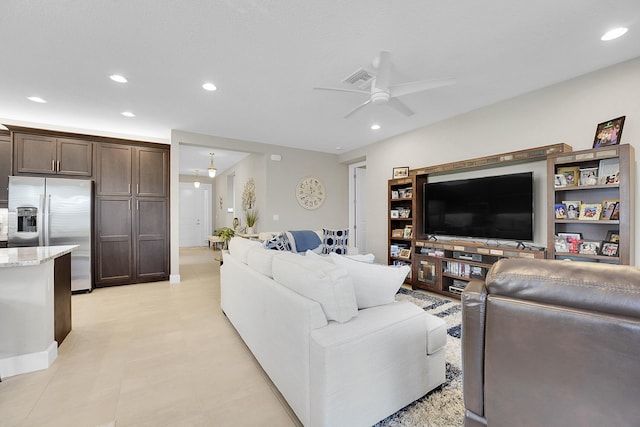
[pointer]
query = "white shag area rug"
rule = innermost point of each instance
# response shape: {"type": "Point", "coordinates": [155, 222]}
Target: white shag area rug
{"type": "Point", "coordinates": [442, 407]}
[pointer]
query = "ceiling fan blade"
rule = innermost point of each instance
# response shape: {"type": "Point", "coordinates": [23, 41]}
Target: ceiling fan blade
{"type": "Point", "coordinates": [400, 106]}
{"type": "Point", "coordinates": [383, 70]}
{"type": "Point", "coordinates": [337, 89]}
{"type": "Point", "coordinates": [413, 87]}
{"type": "Point", "coordinates": [368, 101]}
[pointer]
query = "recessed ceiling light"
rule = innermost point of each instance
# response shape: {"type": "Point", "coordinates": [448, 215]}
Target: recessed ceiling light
{"type": "Point", "coordinates": [118, 78]}
{"type": "Point", "coordinates": [209, 86]}
{"type": "Point", "coordinates": [614, 34]}
{"type": "Point", "coordinates": [36, 99]}
{"type": "Point", "coordinates": [128, 114]}
{"type": "Point", "coordinates": [338, 148]}
{"type": "Point", "coordinates": [375, 126]}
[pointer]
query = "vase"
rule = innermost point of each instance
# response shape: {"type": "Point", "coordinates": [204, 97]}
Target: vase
{"type": "Point", "coordinates": [249, 230]}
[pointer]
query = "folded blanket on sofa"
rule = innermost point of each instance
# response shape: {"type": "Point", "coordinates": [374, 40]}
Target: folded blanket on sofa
{"type": "Point", "coordinates": [305, 239]}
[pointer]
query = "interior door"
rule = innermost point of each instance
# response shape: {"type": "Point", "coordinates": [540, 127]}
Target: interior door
{"type": "Point", "coordinates": [195, 214]}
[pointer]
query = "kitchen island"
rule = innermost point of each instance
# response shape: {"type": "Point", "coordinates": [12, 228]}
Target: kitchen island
{"type": "Point", "coordinates": [35, 306]}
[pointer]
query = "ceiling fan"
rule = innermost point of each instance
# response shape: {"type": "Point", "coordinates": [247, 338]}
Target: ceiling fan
{"type": "Point", "coordinates": [382, 91]}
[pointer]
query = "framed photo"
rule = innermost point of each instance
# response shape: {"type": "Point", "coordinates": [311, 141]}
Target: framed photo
{"type": "Point", "coordinates": [561, 211]}
{"type": "Point", "coordinates": [397, 232]}
{"type": "Point", "coordinates": [395, 213]}
{"type": "Point", "coordinates": [408, 232]}
{"type": "Point", "coordinates": [609, 249]}
{"type": "Point", "coordinates": [608, 208]}
{"type": "Point", "coordinates": [609, 132]}
{"type": "Point", "coordinates": [609, 171]}
{"type": "Point", "coordinates": [573, 208]}
{"type": "Point", "coordinates": [613, 236]}
{"type": "Point", "coordinates": [615, 216]}
{"type": "Point", "coordinates": [402, 172]}
{"type": "Point", "coordinates": [395, 194]}
{"type": "Point", "coordinates": [559, 180]}
{"type": "Point", "coordinates": [590, 248]}
{"type": "Point", "coordinates": [588, 176]}
{"type": "Point", "coordinates": [560, 244]}
{"type": "Point", "coordinates": [571, 174]}
{"type": "Point", "coordinates": [572, 241]}
{"type": "Point", "coordinates": [590, 211]}
{"type": "Point", "coordinates": [404, 212]}
{"type": "Point", "coordinates": [405, 253]}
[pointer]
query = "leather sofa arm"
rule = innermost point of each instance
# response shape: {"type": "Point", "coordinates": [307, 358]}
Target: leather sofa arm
{"type": "Point", "coordinates": [474, 299]}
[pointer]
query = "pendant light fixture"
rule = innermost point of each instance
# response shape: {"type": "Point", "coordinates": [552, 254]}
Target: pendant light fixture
{"type": "Point", "coordinates": [196, 183]}
{"type": "Point", "coordinates": [212, 170]}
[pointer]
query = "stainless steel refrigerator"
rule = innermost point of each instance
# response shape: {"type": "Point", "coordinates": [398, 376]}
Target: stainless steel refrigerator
{"type": "Point", "coordinates": [53, 212]}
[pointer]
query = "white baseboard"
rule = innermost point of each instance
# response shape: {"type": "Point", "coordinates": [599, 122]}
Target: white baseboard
{"type": "Point", "coordinates": [24, 363]}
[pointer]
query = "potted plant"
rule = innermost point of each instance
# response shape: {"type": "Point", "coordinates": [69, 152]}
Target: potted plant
{"type": "Point", "coordinates": [251, 217]}
{"type": "Point", "coordinates": [225, 233]}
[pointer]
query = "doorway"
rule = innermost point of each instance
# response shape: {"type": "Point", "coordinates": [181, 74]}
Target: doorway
{"type": "Point", "coordinates": [195, 214]}
{"type": "Point", "coordinates": [358, 205]}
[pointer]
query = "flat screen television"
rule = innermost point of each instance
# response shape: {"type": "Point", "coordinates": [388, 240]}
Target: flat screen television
{"type": "Point", "coordinates": [494, 207]}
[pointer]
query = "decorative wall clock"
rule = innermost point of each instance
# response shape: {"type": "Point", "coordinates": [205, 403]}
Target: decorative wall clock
{"type": "Point", "coordinates": [310, 193]}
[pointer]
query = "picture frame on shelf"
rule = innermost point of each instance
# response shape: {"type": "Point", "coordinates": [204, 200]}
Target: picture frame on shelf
{"type": "Point", "coordinates": [613, 236]}
{"type": "Point", "coordinates": [573, 208]}
{"type": "Point", "coordinates": [401, 172]}
{"type": "Point", "coordinates": [404, 212]}
{"type": "Point", "coordinates": [609, 249]}
{"type": "Point", "coordinates": [609, 171]}
{"type": "Point", "coordinates": [588, 176]}
{"type": "Point", "coordinates": [407, 232]}
{"type": "Point", "coordinates": [609, 132]}
{"type": "Point", "coordinates": [395, 213]}
{"type": "Point", "coordinates": [405, 254]}
{"type": "Point", "coordinates": [571, 174]}
{"type": "Point", "coordinates": [590, 247]}
{"type": "Point", "coordinates": [590, 211]}
{"type": "Point", "coordinates": [397, 233]}
{"type": "Point", "coordinates": [572, 241]}
{"type": "Point", "coordinates": [560, 244]}
{"type": "Point", "coordinates": [395, 194]}
{"type": "Point", "coordinates": [405, 193]}
{"type": "Point", "coordinates": [561, 211]}
{"type": "Point", "coordinates": [608, 208]}
{"type": "Point", "coordinates": [559, 181]}
{"type": "Point", "coordinates": [615, 216]}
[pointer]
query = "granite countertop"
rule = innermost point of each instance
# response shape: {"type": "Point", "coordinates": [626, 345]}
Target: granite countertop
{"type": "Point", "coordinates": [21, 257]}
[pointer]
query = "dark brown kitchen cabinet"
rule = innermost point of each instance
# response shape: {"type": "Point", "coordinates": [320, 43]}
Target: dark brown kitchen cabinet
{"type": "Point", "coordinates": [40, 154]}
{"type": "Point", "coordinates": [132, 211]}
{"type": "Point", "coordinates": [5, 169]}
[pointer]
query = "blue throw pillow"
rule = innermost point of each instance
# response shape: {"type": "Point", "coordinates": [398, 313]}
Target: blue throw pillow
{"type": "Point", "coordinates": [335, 241]}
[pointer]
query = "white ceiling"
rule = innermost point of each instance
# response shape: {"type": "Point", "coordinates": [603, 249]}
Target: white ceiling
{"type": "Point", "coordinates": [267, 56]}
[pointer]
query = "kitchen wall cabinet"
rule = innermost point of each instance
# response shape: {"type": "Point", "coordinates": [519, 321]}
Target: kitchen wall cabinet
{"type": "Point", "coordinates": [5, 169]}
{"type": "Point", "coordinates": [40, 154]}
{"type": "Point", "coordinates": [132, 217]}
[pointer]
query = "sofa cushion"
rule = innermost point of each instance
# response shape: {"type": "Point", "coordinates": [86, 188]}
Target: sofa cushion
{"type": "Point", "coordinates": [374, 284]}
{"type": "Point", "coordinates": [260, 259]}
{"type": "Point", "coordinates": [335, 241]}
{"type": "Point", "coordinates": [239, 247]}
{"type": "Point", "coordinates": [319, 280]}
{"type": "Point", "coordinates": [279, 242]}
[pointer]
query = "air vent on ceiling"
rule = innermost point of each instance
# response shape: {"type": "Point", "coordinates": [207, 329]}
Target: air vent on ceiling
{"type": "Point", "coordinates": [358, 77]}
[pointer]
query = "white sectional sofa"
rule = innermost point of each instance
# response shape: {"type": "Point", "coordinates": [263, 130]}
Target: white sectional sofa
{"type": "Point", "coordinates": [336, 364]}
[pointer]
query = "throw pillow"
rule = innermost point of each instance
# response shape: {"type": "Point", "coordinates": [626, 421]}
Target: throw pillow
{"type": "Point", "coordinates": [320, 281]}
{"type": "Point", "coordinates": [335, 241]}
{"type": "Point", "coordinates": [260, 259]}
{"type": "Point", "coordinates": [279, 242]}
{"type": "Point", "coordinates": [375, 284]}
{"type": "Point", "coordinates": [239, 247]}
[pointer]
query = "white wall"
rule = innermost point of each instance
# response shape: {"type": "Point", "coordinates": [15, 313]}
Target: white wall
{"type": "Point", "coordinates": [564, 113]}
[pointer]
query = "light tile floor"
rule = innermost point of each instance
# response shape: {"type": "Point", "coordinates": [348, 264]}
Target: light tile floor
{"type": "Point", "coordinates": [154, 354]}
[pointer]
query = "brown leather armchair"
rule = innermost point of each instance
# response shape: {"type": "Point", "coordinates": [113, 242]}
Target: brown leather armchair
{"type": "Point", "coordinates": [552, 343]}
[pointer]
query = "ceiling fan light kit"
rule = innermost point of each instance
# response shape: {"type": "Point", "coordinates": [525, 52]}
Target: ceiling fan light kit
{"type": "Point", "coordinates": [381, 90]}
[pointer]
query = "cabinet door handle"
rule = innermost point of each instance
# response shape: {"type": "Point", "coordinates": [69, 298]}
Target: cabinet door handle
{"type": "Point", "coordinates": [129, 205]}
{"type": "Point", "coordinates": [129, 189]}
{"type": "Point", "coordinates": [137, 205]}
{"type": "Point", "coordinates": [58, 168]}
{"type": "Point", "coordinates": [53, 165]}
{"type": "Point", "coordinates": [137, 188]}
